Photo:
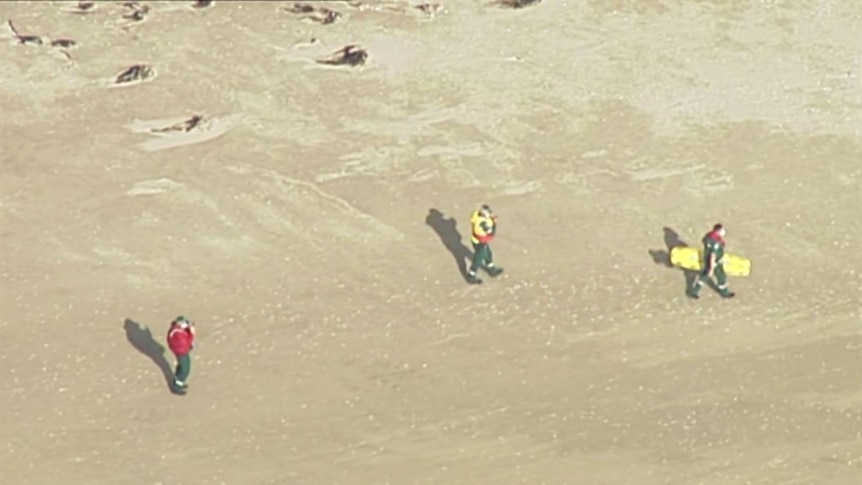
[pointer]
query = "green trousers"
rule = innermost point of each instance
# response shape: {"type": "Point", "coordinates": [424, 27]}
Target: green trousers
{"type": "Point", "coordinates": [720, 279]}
{"type": "Point", "coordinates": [482, 257]}
{"type": "Point", "coordinates": [184, 367]}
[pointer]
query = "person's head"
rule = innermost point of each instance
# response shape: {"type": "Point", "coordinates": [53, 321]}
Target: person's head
{"type": "Point", "coordinates": [719, 229]}
{"type": "Point", "coordinates": [485, 210]}
{"type": "Point", "coordinates": [182, 321]}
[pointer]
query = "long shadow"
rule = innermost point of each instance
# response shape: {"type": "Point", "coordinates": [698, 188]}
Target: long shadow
{"type": "Point", "coordinates": [142, 339]}
{"type": "Point", "coordinates": [662, 256]}
{"type": "Point", "coordinates": [447, 231]}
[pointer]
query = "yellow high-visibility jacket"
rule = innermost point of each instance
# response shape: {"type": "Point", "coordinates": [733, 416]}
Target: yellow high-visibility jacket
{"type": "Point", "coordinates": [483, 228]}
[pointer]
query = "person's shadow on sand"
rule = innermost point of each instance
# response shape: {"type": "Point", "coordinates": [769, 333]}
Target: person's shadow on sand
{"type": "Point", "coordinates": [450, 237]}
{"type": "Point", "coordinates": [662, 256]}
{"type": "Point", "coordinates": [142, 339]}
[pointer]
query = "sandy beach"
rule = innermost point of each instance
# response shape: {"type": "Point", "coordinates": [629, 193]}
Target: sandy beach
{"type": "Point", "coordinates": [312, 219]}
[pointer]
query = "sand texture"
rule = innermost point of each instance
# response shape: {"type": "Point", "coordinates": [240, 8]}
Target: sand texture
{"type": "Point", "coordinates": [313, 219]}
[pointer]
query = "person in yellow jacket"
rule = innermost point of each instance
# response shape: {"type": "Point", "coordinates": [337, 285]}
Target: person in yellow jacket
{"type": "Point", "coordinates": [483, 223]}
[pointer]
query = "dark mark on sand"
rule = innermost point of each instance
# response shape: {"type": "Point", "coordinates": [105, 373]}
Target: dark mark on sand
{"type": "Point", "coordinates": [85, 7]}
{"type": "Point", "coordinates": [139, 12]}
{"type": "Point", "coordinates": [138, 72]}
{"type": "Point", "coordinates": [24, 39]}
{"type": "Point", "coordinates": [63, 43]}
{"type": "Point", "coordinates": [184, 126]}
{"type": "Point", "coordinates": [430, 9]}
{"type": "Point", "coordinates": [516, 4]}
{"type": "Point", "coordinates": [320, 15]}
{"type": "Point", "coordinates": [348, 56]}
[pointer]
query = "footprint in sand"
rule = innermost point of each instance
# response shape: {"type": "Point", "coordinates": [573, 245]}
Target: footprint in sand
{"type": "Point", "coordinates": [181, 131]}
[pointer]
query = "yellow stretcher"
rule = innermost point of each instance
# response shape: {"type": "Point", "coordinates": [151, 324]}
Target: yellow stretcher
{"type": "Point", "coordinates": [690, 258]}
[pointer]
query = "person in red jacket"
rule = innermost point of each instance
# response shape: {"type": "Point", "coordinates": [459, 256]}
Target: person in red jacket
{"type": "Point", "coordinates": [181, 341]}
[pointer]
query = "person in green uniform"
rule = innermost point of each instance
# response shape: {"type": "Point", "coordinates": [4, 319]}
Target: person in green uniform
{"type": "Point", "coordinates": [713, 264]}
{"type": "Point", "coordinates": [483, 225]}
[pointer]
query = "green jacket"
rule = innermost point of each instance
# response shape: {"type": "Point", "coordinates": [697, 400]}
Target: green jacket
{"type": "Point", "coordinates": [713, 245]}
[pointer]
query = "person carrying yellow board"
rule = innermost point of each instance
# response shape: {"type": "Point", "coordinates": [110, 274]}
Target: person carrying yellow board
{"type": "Point", "coordinates": [484, 227]}
{"type": "Point", "coordinates": [713, 263]}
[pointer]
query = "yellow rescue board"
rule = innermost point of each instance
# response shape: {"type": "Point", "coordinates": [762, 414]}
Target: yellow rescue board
{"type": "Point", "coordinates": [690, 258]}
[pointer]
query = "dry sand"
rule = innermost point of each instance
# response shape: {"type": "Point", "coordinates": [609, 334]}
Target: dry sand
{"type": "Point", "coordinates": [338, 343]}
